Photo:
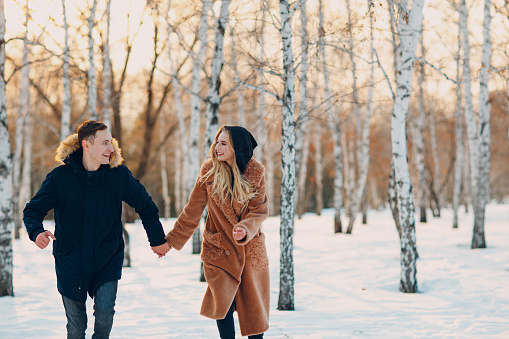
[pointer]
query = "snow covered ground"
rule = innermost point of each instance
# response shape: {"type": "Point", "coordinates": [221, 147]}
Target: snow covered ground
{"type": "Point", "coordinates": [346, 286]}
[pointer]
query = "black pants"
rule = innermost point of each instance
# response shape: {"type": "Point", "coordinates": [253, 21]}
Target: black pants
{"type": "Point", "coordinates": [227, 329]}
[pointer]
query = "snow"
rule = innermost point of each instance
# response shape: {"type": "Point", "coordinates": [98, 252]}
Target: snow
{"type": "Point", "coordinates": [346, 286]}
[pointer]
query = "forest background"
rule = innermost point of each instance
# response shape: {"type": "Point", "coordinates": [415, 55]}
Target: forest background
{"type": "Point", "coordinates": [151, 44]}
{"type": "Point", "coordinates": [323, 85]}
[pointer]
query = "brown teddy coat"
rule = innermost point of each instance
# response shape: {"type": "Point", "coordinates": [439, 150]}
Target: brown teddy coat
{"type": "Point", "coordinates": [233, 269]}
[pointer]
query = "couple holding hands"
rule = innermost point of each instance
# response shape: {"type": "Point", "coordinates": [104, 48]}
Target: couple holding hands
{"type": "Point", "coordinates": [86, 193]}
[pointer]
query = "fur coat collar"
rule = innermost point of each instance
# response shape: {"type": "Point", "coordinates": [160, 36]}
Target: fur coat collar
{"type": "Point", "coordinates": [71, 144]}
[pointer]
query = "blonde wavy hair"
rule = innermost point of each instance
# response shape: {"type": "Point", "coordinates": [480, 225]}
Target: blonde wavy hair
{"type": "Point", "coordinates": [239, 189]}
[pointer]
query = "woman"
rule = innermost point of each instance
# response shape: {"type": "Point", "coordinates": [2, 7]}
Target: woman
{"type": "Point", "coordinates": [234, 256]}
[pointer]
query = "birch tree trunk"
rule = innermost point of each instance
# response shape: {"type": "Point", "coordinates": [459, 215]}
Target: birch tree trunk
{"type": "Point", "coordinates": [418, 143]}
{"type": "Point", "coordinates": [458, 164]}
{"type": "Point", "coordinates": [317, 141]}
{"type": "Point", "coordinates": [6, 221]}
{"type": "Point", "coordinates": [214, 99]}
{"type": "Point", "coordinates": [478, 239]}
{"type": "Point", "coordinates": [302, 176]}
{"type": "Point", "coordinates": [65, 122]}
{"type": "Point", "coordinates": [270, 165]}
{"type": "Point", "coordinates": [181, 154]}
{"type": "Point", "coordinates": [363, 155]}
{"type": "Point", "coordinates": [394, 34]}
{"type": "Point", "coordinates": [179, 175]}
{"type": "Point", "coordinates": [334, 130]}
{"type": "Point", "coordinates": [107, 71]}
{"type": "Point", "coordinates": [259, 151]}
{"type": "Point", "coordinates": [92, 82]}
{"type": "Point", "coordinates": [301, 125]}
{"type": "Point", "coordinates": [437, 180]}
{"type": "Point", "coordinates": [410, 24]}
{"type": "Point", "coordinates": [194, 127]}
{"type": "Point", "coordinates": [355, 150]}
{"type": "Point", "coordinates": [23, 108]}
{"type": "Point", "coordinates": [286, 274]}
{"type": "Point", "coordinates": [240, 94]}
{"type": "Point", "coordinates": [26, 178]}
{"type": "Point", "coordinates": [164, 170]}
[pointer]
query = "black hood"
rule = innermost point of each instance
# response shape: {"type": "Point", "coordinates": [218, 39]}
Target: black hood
{"type": "Point", "coordinates": [243, 143]}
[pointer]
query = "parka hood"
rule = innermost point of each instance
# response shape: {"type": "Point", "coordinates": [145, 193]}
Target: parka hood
{"type": "Point", "coordinates": [71, 144]}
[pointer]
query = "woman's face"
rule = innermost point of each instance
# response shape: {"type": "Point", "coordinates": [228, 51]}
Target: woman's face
{"type": "Point", "coordinates": [224, 149]}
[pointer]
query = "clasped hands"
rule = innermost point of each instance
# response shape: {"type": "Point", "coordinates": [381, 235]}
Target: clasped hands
{"type": "Point", "coordinates": [43, 239]}
{"type": "Point", "coordinates": [161, 250]}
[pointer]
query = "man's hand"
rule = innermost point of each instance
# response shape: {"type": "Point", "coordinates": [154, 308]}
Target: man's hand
{"type": "Point", "coordinates": [43, 239]}
{"type": "Point", "coordinates": [161, 250]}
{"type": "Point", "coordinates": [239, 233]}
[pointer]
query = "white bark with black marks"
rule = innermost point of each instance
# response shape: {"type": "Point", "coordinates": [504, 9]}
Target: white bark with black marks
{"type": "Point", "coordinates": [317, 142]}
{"type": "Point", "coordinates": [286, 273]}
{"type": "Point", "coordinates": [181, 153]}
{"type": "Point", "coordinates": [23, 111]}
{"type": "Point", "coordinates": [478, 238]}
{"type": "Point", "coordinates": [364, 144]}
{"type": "Point", "coordinates": [194, 127]}
{"type": "Point", "coordinates": [458, 164]}
{"type": "Point", "coordinates": [417, 128]}
{"type": "Point", "coordinates": [410, 25]}
{"type": "Point", "coordinates": [302, 119]}
{"type": "Point", "coordinates": [214, 98]}
{"type": "Point", "coordinates": [334, 127]}
{"type": "Point", "coordinates": [259, 151]}
{"type": "Point", "coordinates": [6, 221]}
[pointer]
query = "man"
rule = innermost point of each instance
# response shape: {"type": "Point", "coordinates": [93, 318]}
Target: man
{"type": "Point", "coordinates": [86, 193]}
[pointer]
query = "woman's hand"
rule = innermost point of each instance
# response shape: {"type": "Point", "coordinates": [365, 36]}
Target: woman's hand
{"type": "Point", "coordinates": [239, 233]}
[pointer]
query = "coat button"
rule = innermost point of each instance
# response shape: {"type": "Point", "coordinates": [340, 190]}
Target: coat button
{"type": "Point", "coordinates": [227, 252]}
{"type": "Point", "coordinates": [89, 174]}
{"type": "Point", "coordinates": [239, 256]}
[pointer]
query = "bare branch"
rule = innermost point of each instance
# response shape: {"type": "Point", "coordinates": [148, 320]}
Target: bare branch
{"type": "Point", "coordinates": [436, 69]}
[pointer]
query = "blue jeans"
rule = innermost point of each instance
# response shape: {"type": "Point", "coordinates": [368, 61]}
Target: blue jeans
{"type": "Point", "coordinates": [104, 303]}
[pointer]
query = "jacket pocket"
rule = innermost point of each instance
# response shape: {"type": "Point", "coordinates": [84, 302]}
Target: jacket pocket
{"type": "Point", "coordinates": [63, 246]}
{"type": "Point", "coordinates": [211, 246]}
{"type": "Point", "coordinates": [259, 258]}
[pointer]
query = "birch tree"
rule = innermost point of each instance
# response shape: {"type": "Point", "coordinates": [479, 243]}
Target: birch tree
{"type": "Point", "coordinates": [418, 145]}
{"type": "Point", "coordinates": [181, 165]}
{"type": "Point", "coordinates": [334, 127]}
{"type": "Point", "coordinates": [477, 135]}
{"type": "Point", "coordinates": [364, 141]}
{"type": "Point", "coordinates": [240, 95]}
{"type": "Point", "coordinates": [410, 24]}
{"type": "Point", "coordinates": [107, 71]}
{"type": "Point", "coordinates": [286, 275]}
{"type": "Point", "coordinates": [458, 164]}
{"type": "Point", "coordinates": [23, 111]}
{"type": "Point", "coordinates": [214, 99]}
{"type": "Point", "coordinates": [478, 239]}
{"type": "Point", "coordinates": [258, 152]}
{"type": "Point", "coordinates": [164, 171]}
{"type": "Point", "coordinates": [6, 221]}
{"type": "Point", "coordinates": [92, 82]}
{"type": "Point", "coordinates": [65, 121]}
{"type": "Point", "coordinates": [317, 142]}
{"type": "Point", "coordinates": [194, 127]}
{"type": "Point", "coordinates": [302, 120]}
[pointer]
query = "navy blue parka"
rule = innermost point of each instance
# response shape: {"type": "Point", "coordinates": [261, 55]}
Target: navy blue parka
{"type": "Point", "coordinates": [89, 248]}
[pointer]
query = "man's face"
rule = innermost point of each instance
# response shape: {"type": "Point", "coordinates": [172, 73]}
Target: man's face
{"type": "Point", "coordinates": [99, 148]}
